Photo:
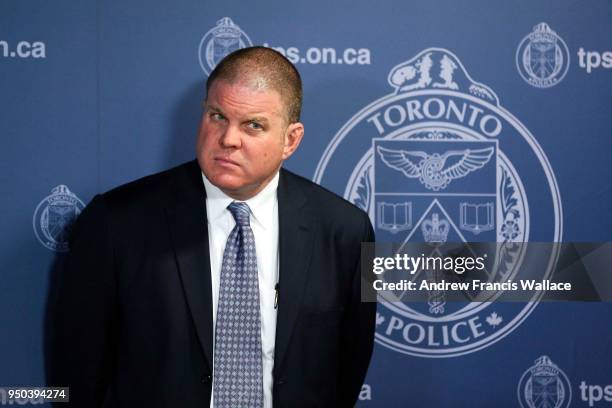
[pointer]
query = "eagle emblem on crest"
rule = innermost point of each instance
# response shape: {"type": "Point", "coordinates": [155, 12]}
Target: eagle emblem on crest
{"type": "Point", "coordinates": [432, 170]}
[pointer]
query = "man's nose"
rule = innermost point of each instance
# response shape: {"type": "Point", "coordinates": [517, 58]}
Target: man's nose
{"type": "Point", "coordinates": [231, 137]}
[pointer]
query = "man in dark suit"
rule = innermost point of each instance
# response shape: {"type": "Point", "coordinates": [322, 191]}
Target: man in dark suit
{"type": "Point", "coordinates": [156, 308]}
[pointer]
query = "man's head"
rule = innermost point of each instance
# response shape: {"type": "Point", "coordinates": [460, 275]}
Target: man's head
{"type": "Point", "coordinates": [265, 68]}
{"type": "Point", "coordinates": [251, 120]}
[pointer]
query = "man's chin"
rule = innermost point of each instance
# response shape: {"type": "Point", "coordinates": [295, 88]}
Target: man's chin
{"type": "Point", "coordinates": [223, 178]}
{"type": "Point", "coordinates": [229, 185]}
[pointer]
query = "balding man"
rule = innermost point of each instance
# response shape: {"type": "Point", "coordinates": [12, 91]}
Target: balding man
{"type": "Point", "coordinates": [226, 282]}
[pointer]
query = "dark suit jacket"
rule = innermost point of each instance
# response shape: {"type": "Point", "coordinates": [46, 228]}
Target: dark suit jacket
{"type": "Point", "coordinates": [133, 326]}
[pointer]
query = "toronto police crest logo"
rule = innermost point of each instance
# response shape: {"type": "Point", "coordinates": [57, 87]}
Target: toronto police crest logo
{"type": "Point", "coordinates": [53, 217]}
{"type": "Point", "coordinates": [544, 385]}
{"type": "Point", "coordinates": [219, 41]}
{"type": "Point", "coordinates": [438, 160]}
{"type": "Point", "coordinates": [542, 57]}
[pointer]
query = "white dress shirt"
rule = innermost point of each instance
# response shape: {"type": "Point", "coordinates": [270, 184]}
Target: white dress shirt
{"type": "Point", "coordinates": [264, 223]}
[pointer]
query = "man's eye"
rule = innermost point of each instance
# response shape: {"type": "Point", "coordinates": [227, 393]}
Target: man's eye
{"type": "Point", "coordinates": [255, 126]}
{"type": "Point", "coordinates": [217, 116]}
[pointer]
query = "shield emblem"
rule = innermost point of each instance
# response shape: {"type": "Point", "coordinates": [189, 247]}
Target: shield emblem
{"type": "Point", "coordinates": [543, 58]}
{"type": "Point", "coordinates": [435, 192]}
{"type": "Point", "coordinates": [60, 219]}
{"type": "Point", "coordinates": [544, 392]}
{"type": "Point", "coordinates": [224, 44]}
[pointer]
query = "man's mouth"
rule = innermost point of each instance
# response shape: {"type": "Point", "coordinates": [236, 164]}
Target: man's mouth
{"type": "Point", "coordinates": [224, 161]}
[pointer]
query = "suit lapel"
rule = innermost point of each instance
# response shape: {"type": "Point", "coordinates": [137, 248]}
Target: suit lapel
{"type": "Point", "coordinates": [188, 227]}
{"type": "Point", "coordinates": [295, 247]}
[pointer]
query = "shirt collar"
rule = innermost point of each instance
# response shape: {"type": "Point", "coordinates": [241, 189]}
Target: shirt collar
{"type": "Point", "coordinates": [262, 204]}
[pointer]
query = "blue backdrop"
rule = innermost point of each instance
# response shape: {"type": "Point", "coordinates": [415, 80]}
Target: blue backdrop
{"type": "Point", "coordinates": [95, 94]}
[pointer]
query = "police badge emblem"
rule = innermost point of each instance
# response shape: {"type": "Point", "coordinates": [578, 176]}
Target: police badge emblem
{"type": "Point", "coordinates": [224, 38]}
{"type": "Point", "coordinates": [440, 160]}
{"type": "Point", "coordinates": [54, 216]}
{"type": "Point", "coordinates": [542, 57]}
{"type": "Point", "coordinates": [544, 385]}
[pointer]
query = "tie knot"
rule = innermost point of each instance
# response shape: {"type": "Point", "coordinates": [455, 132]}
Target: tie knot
{"type": "Point", "coordinates": [241, 213]}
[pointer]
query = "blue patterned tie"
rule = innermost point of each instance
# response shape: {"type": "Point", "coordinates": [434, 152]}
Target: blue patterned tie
{"type": "Point", "coordinates": [237, 366]}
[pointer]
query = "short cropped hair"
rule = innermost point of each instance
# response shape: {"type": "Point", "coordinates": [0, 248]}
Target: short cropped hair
{"type": "Point", "coordinates": [270, 67]}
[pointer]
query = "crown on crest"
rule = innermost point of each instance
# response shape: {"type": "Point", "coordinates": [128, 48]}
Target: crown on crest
{"type": "Point", "coordinates": [543, 33]}
{"type": "Point", "coordinates": [435, 230]}
{"type": "Point", "coordinates": [226, 28]}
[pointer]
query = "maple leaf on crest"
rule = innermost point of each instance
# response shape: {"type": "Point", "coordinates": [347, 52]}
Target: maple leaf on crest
{"type": "Point", "coordinates": [494, 320]}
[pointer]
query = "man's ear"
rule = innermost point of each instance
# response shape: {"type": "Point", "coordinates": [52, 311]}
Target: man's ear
{"type": "Point", "coordinates": [292, 139]}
